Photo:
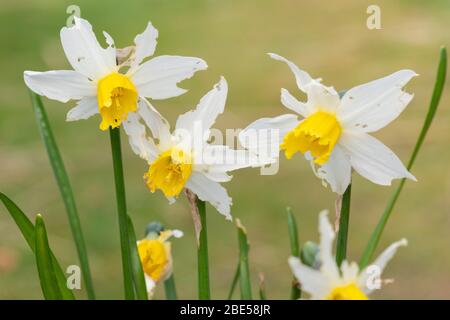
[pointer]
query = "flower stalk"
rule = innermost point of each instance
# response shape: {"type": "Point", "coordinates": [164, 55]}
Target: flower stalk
{"type": "Point", "coordinates": [122, 212]}
{"type": "Point", "coordinates": [204, 292]}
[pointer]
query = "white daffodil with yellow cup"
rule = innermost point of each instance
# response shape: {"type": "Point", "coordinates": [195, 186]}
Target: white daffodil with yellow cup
{"type": "Point", "coordinates": [184, 159]}
{"type": "Point", "coordinates": [347, 282]}
{"type": "Point", "coordinates": [334, 132]}
{"type": "Point", "coordinates": [110, 81]}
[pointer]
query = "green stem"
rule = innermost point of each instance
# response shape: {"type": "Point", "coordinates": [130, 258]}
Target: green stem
{"type": "Point", "coordinates": [170, 288]}
{"type": "Point", "coordinates": [136, 265]}
{"type": "Point", "coordinates": [203, 265]}
{"type": "Point", "coordinates": [435, 98]}
{"type": "Point", "coordinates": [122, 212]}
{"type": "Point", "coordinates": [295, 251]}
{"type": "Point", "coordinates": [341, 250]}
{"type": "Point", "coordinates": [65, 188]}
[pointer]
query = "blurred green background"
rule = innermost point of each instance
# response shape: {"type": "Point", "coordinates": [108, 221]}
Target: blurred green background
{"type": "Point", "coordinates": [328, 39]}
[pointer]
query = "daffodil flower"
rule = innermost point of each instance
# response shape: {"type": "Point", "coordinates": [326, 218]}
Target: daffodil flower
{"type": "Point", "coordinates": [333, 132]}
{"type": "Point", "coordinates": [185, 158]}
{"type": "Point", "coordinates": [99, 84]}
{"type": "Point", "coordinates": [340, 283]}
{"type": "Point", "coordinates": [155, 253]}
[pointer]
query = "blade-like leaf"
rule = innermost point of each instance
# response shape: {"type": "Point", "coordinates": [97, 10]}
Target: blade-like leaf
{"type": "Point", "coordinates": [262, 287]}
{"type": "Point", "coordinates": [342, 237]}
{"type": "Point", "coordinates": [138, 273]}
{"type": "Point", "coordinates": [47, 277]}
{"type": "Point", "coordinates": [234, 282]}
{"type": "Point", "coordinates": [244, 272]}
{"type": "Point", "coordinates": [295, 251]}
{"type": "Point", "coordinates": [64, 188]}
{"type": "Point", "coordinates": [26, 227]}
{"type": "Point", "coordinates": [170, 288]}
{"type": "Point", "coordinates": [434, 103]}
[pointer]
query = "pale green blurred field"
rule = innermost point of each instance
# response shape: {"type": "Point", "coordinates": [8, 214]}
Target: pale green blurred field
{"type": "Point", "coordinates": [328, 39]}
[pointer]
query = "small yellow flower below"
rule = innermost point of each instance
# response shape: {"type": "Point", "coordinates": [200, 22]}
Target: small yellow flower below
{"type": "Point", "coordinates": [116, 96]}
{"type": "Point", "coordinates": [347, 292]}
{"type": "Point", "coordinates": [154, 255]}
{"type": "Point", "coordinates": [169, 172]}
{"type": "Point", "coordinates": [317, 134]}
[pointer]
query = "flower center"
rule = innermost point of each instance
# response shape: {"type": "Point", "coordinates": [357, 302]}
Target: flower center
{"type": "Point", "coordinates": [347, 292]}
{"type": "Point", "coordinates": [116, 96]}
{"type": "Point", "coordinates": [317, 134]}
{"type": "Point", "coordinates": [169, 172]}
{"type": "Point", "coordinates": [154, 257]}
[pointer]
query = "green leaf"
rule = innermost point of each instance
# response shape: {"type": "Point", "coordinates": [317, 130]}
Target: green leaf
{"type": "Point", "coordinates": [122, 212]}
{"type": "Point", "coordinates": [204, 292]}
{"type": "Point", "coordinates": [49, 284]}
{"type": "Point", "coordinates": [434, 103]}
{"type": "Point", "coordinates": [293, 234]}
{"type": "Point", "coordinates": [26, 227]}
{"type": "Point", "coordinates": [64, 188]}
{"type": "Point", "coordinates": [170, 288]}
{"type": "Point", "coordinates": [244, 271]}
{"type": "Point", "coordinates": [295, 252]}
{"type": "Point", "coordinates": [262, 287]}
{"type": "Point", "coordinates": [342, 237]}
{"type": "Point", "coordinates": [234, 282]}
{"type": "Point", "coordinates": [138, 273]}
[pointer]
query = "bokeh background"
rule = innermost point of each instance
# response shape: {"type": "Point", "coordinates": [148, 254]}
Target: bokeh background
{"type": "Point", "coordinates": [328, 39]}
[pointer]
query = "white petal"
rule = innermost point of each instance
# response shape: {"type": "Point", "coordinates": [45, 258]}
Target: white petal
{"type": "Point", "coordinates": [145, 45]}
{"type": "Point", "coordinates": [137, 137]}
{"type": "Point", "coordinates": [215, 160]}
{"type": "Point", "coordinates": [210, 191]}
{"type": "Point", "coordinates": [372, 159]}
{"type": "Point", "coordinates": [150, 284]}
{"type": "Point", "coordinates": [171, 200]}
{"type": "Point", "coordinates": [350, 271]}
{"type": "Point", "coordinates": [204, 115]}
{"type": "Point", "coordinates": [264, 136]}
{"type": "Point", "coordinates": [312, 281]}
{"type": "Point", "coordinates": [302, 77]}
{"type": "Point", "coordinates": [290, 102]}
{"type": "Point", "coordinates": [217, 176]}
{"type": "Point", "coordinates": [380, 262]}
{"type": "Point", "coordinates": [321, 97]}
{"type": "Point", "coordinates": [388, 253]}
{"type": "Point", "coordinates": [337, 171]}
{"type": "Point", "coordinates": [371, 106]}
{"type": "Point", "coordinates": [61, 85]}
{"type": "Point", "coordinates": [85, 53]}
{"type": "Point", "coordinates": [86, 108]}
{"type": "Point", "coordinates": [157, 124]}
{"type": "Point", "coordinates": [158, 77]}
{"type": "Point", "coordinates": [328, 266]}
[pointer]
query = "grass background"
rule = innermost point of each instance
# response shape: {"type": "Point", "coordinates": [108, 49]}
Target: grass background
{"type": "Point", "coordinates": [328, 39]}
